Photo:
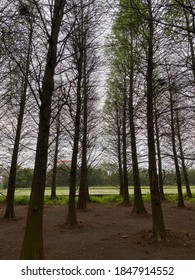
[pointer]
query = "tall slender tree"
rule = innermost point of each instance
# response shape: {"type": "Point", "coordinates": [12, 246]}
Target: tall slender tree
{"type": "Point", "coordinates": [157, 215]}
{"type": "Point", "coordinates": [9, 212]}
{"type": "Point", "coordinates": [32, 247]}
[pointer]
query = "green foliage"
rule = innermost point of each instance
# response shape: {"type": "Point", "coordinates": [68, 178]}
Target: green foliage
{"type": "Point", "coordinates": [60, 200]}
{"type": "Point", "coordinates": [102, 175]}
{"type": "Point", "coordinates": [24, 177]}
{"type": "Point", "coordinates": [106, 199]}
{"type": "Point", "coordinates": [146, 197]}
{"type": "Point", "coordinates": [63, 175]}
{"type": "Point", "coordinates": [2, 199]}
{"type": "Point", "coordinates": [97, 177]}
{"type": "Point", "coordinates": [22, 200]}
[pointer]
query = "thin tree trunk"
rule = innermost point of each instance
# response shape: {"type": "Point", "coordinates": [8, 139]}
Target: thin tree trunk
{"type": "Point", "coordinates": [126, 200]}
{"type": "Point", "coordinates": [173, 134]}
{"type": "Point", "coordinates": [160, 171]}
{"type": "Point", "coordinates": [119, 144]}
{"type": "Point", "coordinates": [120, 168]}
{"type": "Point", "coordinates": [55, 160]}
{"type": "Point", "coordinates": [157, 215]}
{"type": "Point", "coordinates": [138, 206]}
{"type": "Point", "coordinates": [71, 217]}
{"type": "Point", "coordinates": [185, 173]}
{"type": "Point", "coordinates": [32, 247]}
{"type": "Point", "coordinates": [82, 199]}
{"type": "Point", "coordinates": [9, 212]}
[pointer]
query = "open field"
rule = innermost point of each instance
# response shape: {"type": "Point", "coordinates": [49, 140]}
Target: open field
{"type": "Point", "coordinates": [103, 190]}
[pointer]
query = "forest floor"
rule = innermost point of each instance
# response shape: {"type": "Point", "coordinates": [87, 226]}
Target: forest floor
{"type": "Point", "coordinates": [105, 232]}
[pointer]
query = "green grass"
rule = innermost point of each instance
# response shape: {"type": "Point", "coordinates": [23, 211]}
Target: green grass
{"type": "Point", "coordinates": [106, 199]}
{"type": "Point", "coordinates": [103, 199]}
{"type": "Point", "coordinates": [60, 200]}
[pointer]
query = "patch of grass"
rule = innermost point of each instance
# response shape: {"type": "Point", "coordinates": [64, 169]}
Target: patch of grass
{"type": "Point", "coordinates": [189, 199]}
{"type": "Point", "coordinates": [22, 200]}
{"type": "Point", "coordinates": [60, 200]}
{"type": "Point", "coordinates": [2, 199]}
{"type": "Point", "coordinates": [174, 198]}
{"type": "Point", "coordinates": [171, 197]}
{"type": "Point", "coordinates": [106, 199]}
{"type": "Point", "coordinates": [146, 197]}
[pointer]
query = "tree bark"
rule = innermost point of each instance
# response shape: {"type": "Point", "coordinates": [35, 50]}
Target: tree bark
{"type": "Point", "coordinates": [32, 247]}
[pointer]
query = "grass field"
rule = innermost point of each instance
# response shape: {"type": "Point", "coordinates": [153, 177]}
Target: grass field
{"type": "Point", "coordinates": [103, 190]}
{"type": "Point", "coordinates": [100, 195]}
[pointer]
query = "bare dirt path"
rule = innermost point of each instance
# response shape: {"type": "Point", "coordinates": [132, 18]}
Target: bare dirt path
{"type": "Point", "coordinates": [105, 232]}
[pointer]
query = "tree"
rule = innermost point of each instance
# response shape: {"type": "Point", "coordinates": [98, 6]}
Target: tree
{"type": "Point", "coordinates": [55, 159]}
{"type": "Point", "coordinates": [157, 131]}
{"type": "Point", "coordinates": [157, 215]}
{"type": "Point", "coordinates": [9, 212]}
{"type": "Point", "coordinates": [32, 247]}
{"type": "Point", "coordinates": [184, 169]}
{"type": "Point", "coordinates": [173, 102]}
{"type": "Point", "coordinates": [89, 117]}
{"type": "Point", "coordinates": [113, 126]}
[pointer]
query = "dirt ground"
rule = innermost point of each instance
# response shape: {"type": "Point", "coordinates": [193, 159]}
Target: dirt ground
{"type": "Point", "coordinates": [106, 232]}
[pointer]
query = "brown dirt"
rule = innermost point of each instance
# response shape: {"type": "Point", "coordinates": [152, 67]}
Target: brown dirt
{"type": "Point", "coordinates": [106, 232]}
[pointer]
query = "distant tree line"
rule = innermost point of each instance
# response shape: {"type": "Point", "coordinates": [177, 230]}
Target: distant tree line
{"type": "Point", "coordinates": [98, 176]}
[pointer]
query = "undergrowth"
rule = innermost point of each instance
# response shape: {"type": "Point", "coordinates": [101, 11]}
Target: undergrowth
{"type": "Point", "coordinates": [115, 199]}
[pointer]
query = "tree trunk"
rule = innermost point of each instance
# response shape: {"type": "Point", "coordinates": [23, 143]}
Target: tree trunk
{"type": "Point", "coordinates": [138, 206]}
{"type": "Point", "coordinates": [55, 160]}
{"type": "Point", "coordinates": [173, 134]}
{"type": "Point", "coordinates": [160, 171]}
{"type": "Point", "coordinates": [32, 247]}
{"type": "Point", "coordinates": [119, 144]}
{"type": "Point", "coordinates": [126, 200]}
{"type": "Point", "coordinates": [71, 217]}
{"type": "Point", "coordinates": [82, 199]}
{"type": "Point", "coordinates": [185, 173]}
{"type": "Point", "coordinates": [120, 168]}
{"type": "Point", "coordinates": [9, 212]}
{"type": "Point", "coordinates": [157, 215]}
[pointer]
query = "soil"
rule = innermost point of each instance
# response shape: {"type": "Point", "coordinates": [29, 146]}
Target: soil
{"type": "Point", "coordinates": [105, 232]}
